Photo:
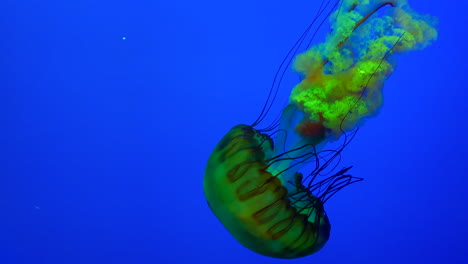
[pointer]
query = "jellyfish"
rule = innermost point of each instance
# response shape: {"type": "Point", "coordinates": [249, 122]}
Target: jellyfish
{"type": "Point", "coordinates": [268, 186]}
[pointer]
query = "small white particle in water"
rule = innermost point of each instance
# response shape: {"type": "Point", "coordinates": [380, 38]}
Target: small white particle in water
{"type": "Point", "coordinates": [124, 38]}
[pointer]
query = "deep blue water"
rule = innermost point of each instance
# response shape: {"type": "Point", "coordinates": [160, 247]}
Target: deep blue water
{"type": "Point", "coordinates": [110, 110]}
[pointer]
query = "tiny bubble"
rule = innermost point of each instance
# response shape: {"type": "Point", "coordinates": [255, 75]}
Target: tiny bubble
{"type": "Point", "coordinates": [124, 38]}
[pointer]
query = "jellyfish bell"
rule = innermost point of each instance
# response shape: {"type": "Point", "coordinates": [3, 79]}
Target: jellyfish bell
{"type": "Point", "coordinates": [253, 204]}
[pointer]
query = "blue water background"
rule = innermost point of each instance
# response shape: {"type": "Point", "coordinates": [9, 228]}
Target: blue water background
{"type": "Point", "coordinates": [110, 110]}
